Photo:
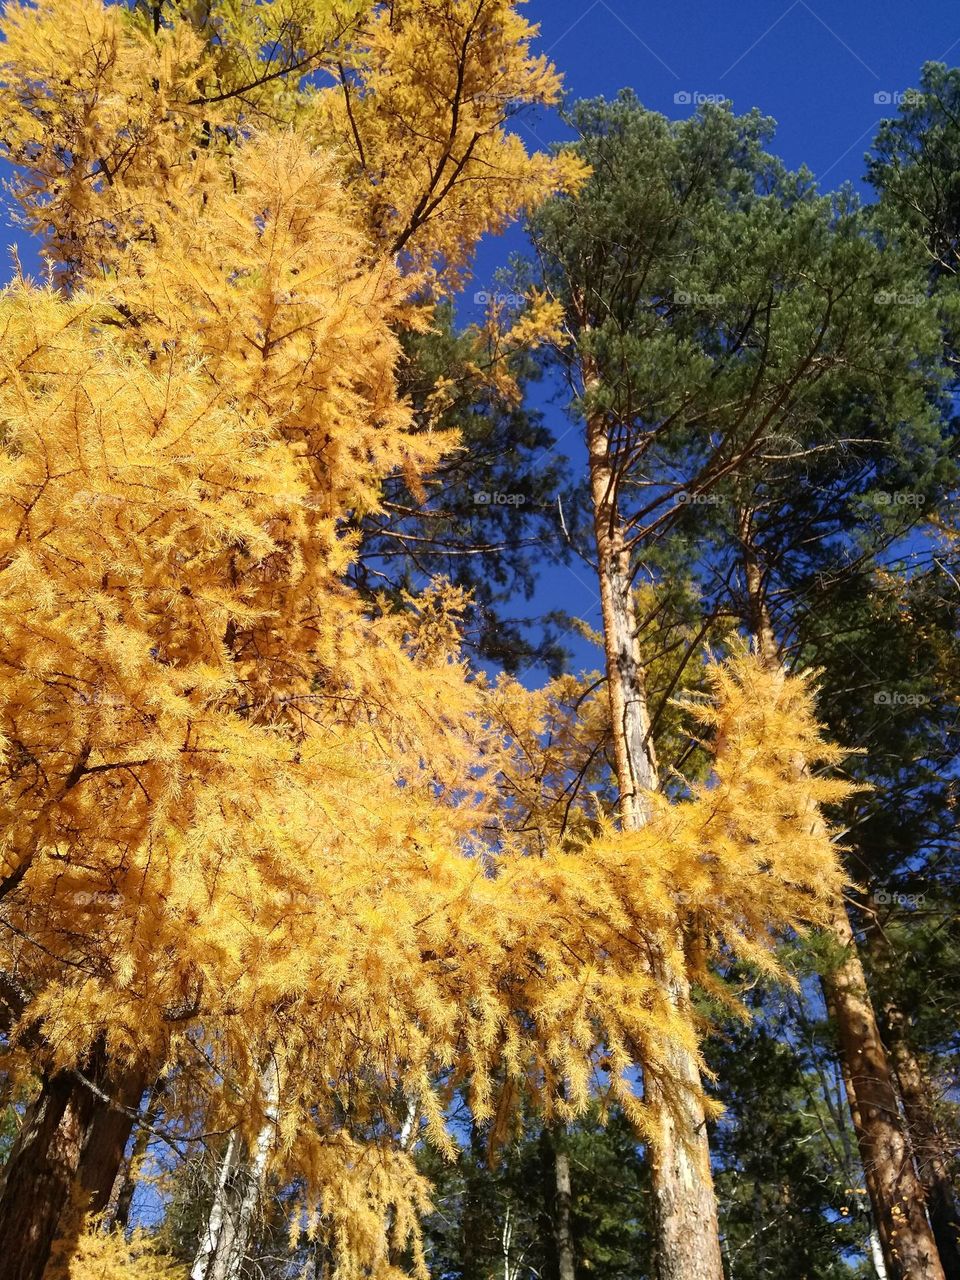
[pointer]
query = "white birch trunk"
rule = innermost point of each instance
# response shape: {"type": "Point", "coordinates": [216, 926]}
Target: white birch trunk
{"type": "Point", "coordinates": [226, 1238]}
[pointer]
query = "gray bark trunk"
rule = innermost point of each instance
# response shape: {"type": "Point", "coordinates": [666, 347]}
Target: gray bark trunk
{"type": "Point", "coordinates": [688, 1234]}
{"type": "Point", "coordinates": [565, 1256]}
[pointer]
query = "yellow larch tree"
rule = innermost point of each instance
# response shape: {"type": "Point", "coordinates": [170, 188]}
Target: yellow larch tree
{"type": "Point", "coordinates": [107, 111]}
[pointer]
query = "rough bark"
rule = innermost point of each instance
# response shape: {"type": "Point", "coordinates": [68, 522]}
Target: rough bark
{"type": "Point", "coordinates": [564, 1203]}
{"type": "Point", "coordinates": [226, 1238]}
{"type": "Point", "coordinates": [40, 1174]}
{"type": "Point", "coordinates": [111, 1129]}
{"type": "Point", "coordinates": [929, 1144]}
{"type": "Point", "coordinates": [896, 1195]}
{"type": "Point", "coordinates": [688, 1234]}
{"type": "Point", "coordinates": [64, 1161]}
{"type": "Point", "coordinates": [873, 1238]}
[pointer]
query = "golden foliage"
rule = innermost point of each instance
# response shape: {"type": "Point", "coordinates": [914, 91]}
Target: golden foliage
{"type": "Point", "coordinates": [108, 113]}
{"type": "Point", "coordinates": [109, 1255]}
{"type": "Point", "coordinates": [100, 116]}
{"type": "Point", "coordinates": [503, 337]}
{"type": "Point", "coordinates": [745, 857]}
{"type": "Point", "coordinates": [219, 766]}
{"type": "Point", "coordinates": [424, 93]}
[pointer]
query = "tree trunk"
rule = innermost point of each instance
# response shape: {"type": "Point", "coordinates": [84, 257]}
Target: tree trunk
{"type": "Point", "coordinates": [688, 1234]}
{"type": "Point", "coordinates": [506, 1243]}
{"type": "Point", "coordinates": [124, 1189]}
{"type": "Point", "coordinates": [40, 1174]}
{"type": "Point", "coordinates": [876, 1255]}
{"type": "Point", "coordinates": [873, 1239]}
{"type": "Point", "coordinates": [932, 1150]}
{"type": "Point", "coordinates": [226, 1238]}
{"type": "Point", "coordinates": [564, 1203]}
{"type": "Point", "coordinates": [896, 1196]}
{"type": "Point", "coordinates": [112, 1126]}
{"type": "Point", "coordinates": [64, 1162]}
{"type": "Point", "coordinates": [929, 1144]}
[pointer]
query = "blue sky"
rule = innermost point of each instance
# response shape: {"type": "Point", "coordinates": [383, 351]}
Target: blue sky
{"type": "Point", "coordinates": [815, 68]}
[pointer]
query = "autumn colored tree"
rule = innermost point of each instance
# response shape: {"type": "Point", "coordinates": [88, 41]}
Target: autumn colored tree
{"type": "Point", "coordinates": [414, 98]}
{"type": "Point", "coordinates": [147, 110]}
{"type": "Point", "coordinates": [106, 690]}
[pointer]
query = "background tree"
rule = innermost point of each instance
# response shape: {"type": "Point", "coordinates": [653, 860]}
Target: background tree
{"type": "Point", "coordinates": [637, 264]}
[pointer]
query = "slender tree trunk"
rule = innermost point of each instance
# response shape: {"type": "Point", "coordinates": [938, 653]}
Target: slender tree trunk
{"type": "Point", "coordinates": [124, 1189]}
{"type": "Point", "coordinates": [64, 1162]}
{"type": "Point", "coordinates": [564, 1203]}
{"type": "Point", "coordinates": [873, 1238]}
{"type": "Point", "coordinates": [930, 1146]}
{"type": "Point", "coordinates": [506, 1242]}
{"type": "Point", "coordinates": [876, 1255]}
{"type": "Point", "coordinates": [229, 1227]}
{"type": "Point", "coordinates": [896, 1195]}
{"type": "Point", "coordinates": [688, 1233]}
